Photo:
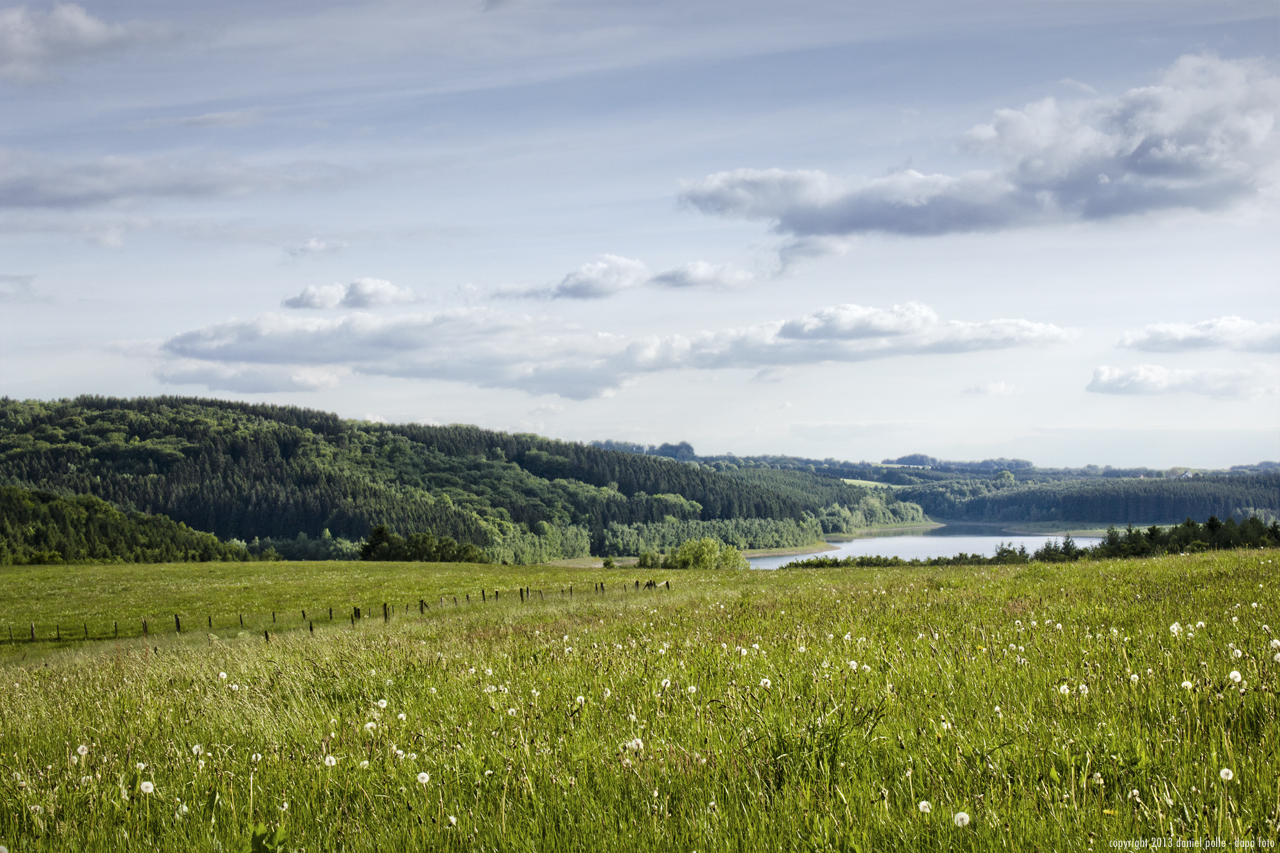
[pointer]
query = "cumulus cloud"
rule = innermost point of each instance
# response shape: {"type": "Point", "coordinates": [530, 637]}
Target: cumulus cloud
{"type": "Point", "coordinates": [30, 181]}
{"type": "Point", "coordinates": [1234, 333]}
{"type": "Point", "coordinates": [539, 355]}
{"type": "Point", "coordinates": [361, 293]}
{"type": "Point", "coordinates": [1203, 137]}
{"type": "Point", "coordinates": [253, 379]}
{"type": "Point", "coordinates": [701, 274]}
{"type": "Point", "coordinates": [33, 42]}
{"type": "Point", "coordinates": [994, 389]}
{"type": "Point", "coordinates": [606, 277]}
{"type": "Point", "coordinates": [1146, 379]}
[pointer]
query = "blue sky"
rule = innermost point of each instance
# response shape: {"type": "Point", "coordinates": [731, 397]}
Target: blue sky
{"type": "Point", "coordinates": [1034, 229]}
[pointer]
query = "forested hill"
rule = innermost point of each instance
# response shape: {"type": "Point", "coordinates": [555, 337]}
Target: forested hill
{"type": "Point", "coordinates": [244, 471]}
{"type": "Point", "coordinates": [1129, 500]}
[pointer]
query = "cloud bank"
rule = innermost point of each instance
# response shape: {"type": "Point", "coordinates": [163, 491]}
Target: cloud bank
{"type": "Point", "coordinates": [361, 293]}
{"type": "Point", "coordinates": [614, 274]}
{"type": "Point", "coordinates": [1202, 138]}
{"type": "Point", "coordinates": [1147, 379]}
{"type": "Point", "coordinates": [1231, 333]}
{"type": "Point", "coordinates": [539, 355]}
{"type": "Point", "coordinates": [31, 43]}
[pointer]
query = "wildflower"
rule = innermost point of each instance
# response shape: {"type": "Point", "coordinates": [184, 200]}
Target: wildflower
{"type": "Point", "coordinates": [382, 703]}
{"type": "Point", "coordinates": [692, 690]}
{"type": "Point", "coordinates": [401, 717]}
{"type": "Point", "coordinates": [766, 683]}
{"type": "Point", "coordinates": [82, 750]}
{"type": "Point", "coordinates": [802, 649]}
{"type": "Point", "coordinates": [511, 712]}
{"type": "Point", "coordinates": [1226, 774]}
{"type": "Point", "coordinates": [330, 761]}
{"type": "Point", "coordinates": [368, 727]}
{"type": "Point", "coordinates": [1186, 685]}
{"type": "Point", "coordinates": [222, 675]}
{"type": "Point", "coordinates": [364, 765]}
{"type": "Point", "coordinates": [424, 778]}
{"type": "Point", "coordinates": [582, 700]}
{"type": "Point", "coordinates": [1084, 690]}
{"type": "Point", "coordinates": [946, 727]}
{"type": "Point", "coordinates": [197, 750]}
{"type": "Point", "coordinates": [924, 807]}
{"type": "Point", "coordinates": [1134, 678]}
{"type": "Point", "coordinates": [1064, 690]}
{"type": "Point", "coordinates": [1199, 625]}
{"type": "Point", "coordinates": [866, 668]}
{"type": "Point", "coordinates": [413, 756]}
{"type": "Point", "coordinates": [1277, 657]}
{"type": "Point", "coordinates": [636, 745]}
{"type": "Point", "coordinates": [140, 766]}
{"type": "Point", "coordinates": [1175, 629]}
{"type": "Point", "coordinates": [1275, 644]}
{"type": "Point", "coordinates": [1235, 618]}
{"type": "Point", "coordinates": [1237, 654]}
{"type": "Point", "coordinates": [284, 806]}
{"type": "Point", "coordinates": [962, 819]}
{"type": "Point", "coordinates": [631, 717]}
{"type": "Point", "coordinates": [1235, 676]}
{"type": "Point", "coordinates": [744, 652]}
{"type": "Point", "coordinates": [607, 693]}
{"type": "Point", "coordinates": [235, 688]}
{"type": "Point", "coordinates": [200, 764]}
{"type": "Point", "coordinates": [666, 682]}
{"type": "Point", "coordinates": [147, 788]}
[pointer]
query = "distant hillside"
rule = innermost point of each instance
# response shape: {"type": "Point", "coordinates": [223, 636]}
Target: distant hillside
{"type": "Point", "coordinates": [247, 471]}
{"type": "Point", "coordinates": [39, 527]}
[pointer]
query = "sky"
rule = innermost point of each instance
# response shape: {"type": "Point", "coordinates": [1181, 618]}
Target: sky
{"type": "Point", "coordinates": [1036, 229]}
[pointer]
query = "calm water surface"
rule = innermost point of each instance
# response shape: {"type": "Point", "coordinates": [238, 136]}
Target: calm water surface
{"type": "Point", "coordinates": [939, 542]}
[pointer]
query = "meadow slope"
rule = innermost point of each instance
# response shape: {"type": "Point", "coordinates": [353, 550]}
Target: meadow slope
{"type": "Point", "coordinates": [1054, 706]}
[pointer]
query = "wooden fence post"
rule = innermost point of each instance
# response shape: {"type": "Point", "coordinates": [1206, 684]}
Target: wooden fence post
{"type": "Point", "coordinates": [211, 622]}
{"type": "Point", "coordinates": [144, 627]}
{"type": "Point", "coordinates": [115, 626]}
{"type": "Point", "coordinates": [266, 636]}
{"type": "Point", "coordinates": [385, 617]}
{"type": "Point", "coordinates": [311, 627]}
{"type": "Point", "coordinates": [177, 624]}
{"type": "Point", "coordinates": [241, 620]}
{"type": "Point", "coordinates": [33, 632]}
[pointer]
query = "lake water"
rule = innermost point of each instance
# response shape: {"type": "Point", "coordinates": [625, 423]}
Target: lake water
{"type": "Point", "coordinates": [939, 542]}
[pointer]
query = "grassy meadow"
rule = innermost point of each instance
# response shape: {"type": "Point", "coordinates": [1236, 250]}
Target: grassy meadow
{"type": "Point", "coordinates": [1011, 708]}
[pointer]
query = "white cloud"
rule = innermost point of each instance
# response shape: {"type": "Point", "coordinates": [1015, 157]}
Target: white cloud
{"type": "Point", "coordinates": [29, 181]}
{"type": "Point", "coordinates": [606, 277]}
{"type": "Point", "coordinates": [31, 43]}
{"type": "Point", "coordinates": [221, 119]}
{"type": "Point", "coordinates": [540, 355]}
{"type": "Point", "coordinates": [361, 293]}
{"type": "Point", "coordinates": [701, 274]}
{"type": "Point", "coordinates": [315, 246]}
{"type": "Point", "coordinates": [20, 288]}
{"type": "Point", "coordinates": [253, 379]}
{"type": "Point", "coordinates": [994, 389]}
{"type": "Point", "coordinates": [1148, 379]}
{"type": "Point", "coordinates": [1203, 138]}
{"type": "Point", "coordinates": [1234, 333]}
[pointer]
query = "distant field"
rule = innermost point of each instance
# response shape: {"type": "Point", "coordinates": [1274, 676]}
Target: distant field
{"type": "Point", "coordinates": [789, 710]}
{"type": "Point", "coordinates": [868, 483]}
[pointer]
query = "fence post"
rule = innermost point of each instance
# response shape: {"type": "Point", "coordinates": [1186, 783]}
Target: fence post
{"type": "Point", "coordinates": [311, 627]}
{"type": "Point", "coordinates": [211, 622]}
{"type": "Point", "coordinates": [304, 616]}
{"type": "Point", "coordinates": [33, 632]}
{"type": "Point", "coordinates": [483, 597]}
{"type": "Point", "coordinates": [57, 632]}
{"type": "Point", "coordinates": [86, 630]}
{"type": "Point", "coordinates": [422, 607]}
{"type": "Point", "coordinates": [385, 616]}
{"type": "Point", "coordinates": [266, 636]}
{"type": "Point", "coordinates": [241, 620]}
{"type": "Point", "coordinates": [115, 626]}
{"type": "Point", "coordinates": [177, 624]}
{"type": "Point", "coordinates": [144, 627]}
{"type": "Point", "coordinates": [330, 614]}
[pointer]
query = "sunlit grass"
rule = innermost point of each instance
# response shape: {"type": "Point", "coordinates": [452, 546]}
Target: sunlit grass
{"type": "Point", "coordinates": [739, 711]}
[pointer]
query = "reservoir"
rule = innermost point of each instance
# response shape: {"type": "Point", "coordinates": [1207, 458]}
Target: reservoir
{"type": "Point", "coordinates": [944, 541]}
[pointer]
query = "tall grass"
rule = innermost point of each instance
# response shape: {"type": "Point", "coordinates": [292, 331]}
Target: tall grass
{"type": "Point", "coordinates": [742, 711]}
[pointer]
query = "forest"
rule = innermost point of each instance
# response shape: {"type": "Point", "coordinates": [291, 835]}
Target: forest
{"type": "Point", "coordinates": [308, 484]}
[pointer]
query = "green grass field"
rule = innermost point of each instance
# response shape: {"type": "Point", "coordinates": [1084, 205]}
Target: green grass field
{"type": "Point", "coordinates": [1052, 705]}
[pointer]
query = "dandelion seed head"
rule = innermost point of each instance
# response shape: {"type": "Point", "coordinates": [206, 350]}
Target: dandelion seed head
{"type": "Point", "coordinates": [925, 807]}
{"type": "Point", "coordinates": [1064, 690]}
{"type": "Point", "coordinates": [1134, 678]}
{"type": "Point", "coordinates": [962, 819]}
{"type": "Point", "coordinates": [197, 750]}
{"type": "Point", "coordinates": [453, 821]}
{"type": "Point", "coordinates": [1226, 774]}
{"type": "Point", "coordinates": [364, 765]}
{"type": "Point", "coordinates": [1236, 676]}
{"type": "Point", "coordinates": [330, 761]}
{"type": "Point", "coordinates": [511, 712]}
{"type": "Point", "coordinates": [581, 700]}
{"type": "Point", "coordinates": [147, 788]}
{"type": "Point", "coordinates": [692, 689]}
{"type": "Point", "coordinates": [666, 682]}
{"type": "Point", "coordinates": [382, 703]}
{"type": "Point", "coordinates": [1186, 685]}
{"type": "Point", "coordinates": [766, 683]}
{"type": "Point", "coordinates": [222, 675]}
{"type": "Point", "coordinates": [424, 778]}
{"type": "Point", "coordinates": [82, 750]}
{"type": "Point", "coordinates": [370, 726]}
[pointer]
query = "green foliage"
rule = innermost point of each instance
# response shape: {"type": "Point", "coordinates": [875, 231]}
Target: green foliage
{"type": "Point", "coordinates": [271, 473]}
{"type": "Point", "coordinates": [705, 554]}
{"type": "Point", "coordinates": [743, 533]}
{"type": "Point", "coordinates": [42, 528]}
{"type": "Point", "coordinates": [385, 546]}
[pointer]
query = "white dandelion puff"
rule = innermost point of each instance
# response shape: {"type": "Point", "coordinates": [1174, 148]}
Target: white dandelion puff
{"type": "Point", "coordinates": [925, 807]}
{"type": "Point", "coordinates": [453, 821]}
{"type": "Point", "coordinates": [1064, 690]}
{"type": "Point", "coordinates": [692, 689]}
{"type": "Point", "coordinates": [382, 703]}
{"type": "Point", "coordinates": [330, 761]}
{"type": "Point", "coordinates": [148, 788]}
{"type": "Point", "coordinates": [424, 778]}
{"type": "Point", "coordinates": [1236, 676]}
{"type": "Point", "coordinates": [197, 750]}
{"type": "Point", "coordinates": [962, 819]}
{"type": "Point", "coordinates": [82, 750]}
{"type": "Point", "coordinates": [222, 675]}
{"type": "Point", "coordinates": [766, 683]}
{"type": "Point", "coordinates": [1187, 685]}
{"type": "Point", "coordinates": [1226, 774]}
